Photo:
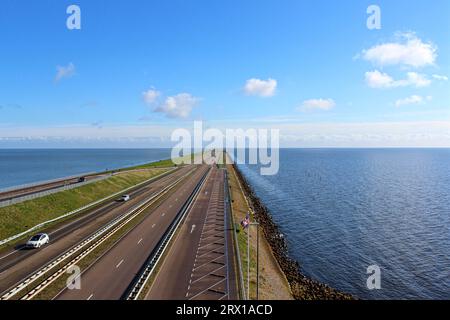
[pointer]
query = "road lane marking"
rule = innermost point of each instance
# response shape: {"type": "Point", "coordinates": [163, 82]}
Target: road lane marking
{"type": "Point", "coordinates": [140, 241]}
{"type": "Point", "coordinates": [121, 261]}
{"type": "Point", "coordinates": [9, 254]}
{"type": "Point", "coordinates": [153, 225]}
{"type": "Point", "coordinates": [90, 297]}
{"type": "Point", "coordinates": [193, 227]}
{"type": "Point", "coordinates": [114, 225]}
{"type": "Point", "coordinates": [163, 214]}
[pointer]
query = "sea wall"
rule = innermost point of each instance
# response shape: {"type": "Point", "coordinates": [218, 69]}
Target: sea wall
{"type": "Point", "coordinates": [303, 288]}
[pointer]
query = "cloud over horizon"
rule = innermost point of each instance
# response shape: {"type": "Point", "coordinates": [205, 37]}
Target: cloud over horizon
{"type": "Point", "coordinates": [261, 88]}
{"type": "Point", "coordinates": [408, 50]}
{"type": "Point", "coordinates": [318, 104]}
{"type": "Point", "coordinates": [150, 96]}
{"type": "Point", "coordinates": [380, 80]}
{"type": "Point", "coordinates": [178, 106]}
{"type": "Point", "coordinates": [414, 99]}
{"type": "Point", "coordinates": [343, 134]}
{"type": "Point", "coordinates": [63, 72]}
{"type": "Point", "coordinates": [440, 77]}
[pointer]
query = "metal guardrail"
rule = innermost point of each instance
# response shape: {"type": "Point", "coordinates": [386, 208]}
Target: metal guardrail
{"type": "Point", "coordinates": [136, 288]}
{"type": "Point", "coordinates": [43, 224]}
{"type": "Point", "coordinates": [35, 184]}
{"type": "Point", "coordinates": [235, 241]}
{"type": "Point", "coordinates": [99, 237]}
{"type": "Point", "coordinates": [19, 199]}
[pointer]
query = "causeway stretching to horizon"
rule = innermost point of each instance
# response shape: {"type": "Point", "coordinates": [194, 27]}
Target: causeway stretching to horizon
{"type": "Point", "coordinates": [154, 231]}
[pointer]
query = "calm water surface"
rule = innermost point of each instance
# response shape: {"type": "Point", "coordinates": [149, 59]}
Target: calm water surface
{"type": "Point", "coordinates": [343, 210]}
{"type": "Point", "coordinates": [22, 166]}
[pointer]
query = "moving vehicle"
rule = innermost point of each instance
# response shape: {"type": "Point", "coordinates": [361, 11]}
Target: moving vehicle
{"type": "Point", "coordinates": [124, 198]}
{"type": "Point", "coordinates": [38, 240]}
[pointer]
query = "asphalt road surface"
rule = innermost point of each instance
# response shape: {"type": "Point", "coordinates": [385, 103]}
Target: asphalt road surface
{"type": "Point", "coordinates": [110, 276]}
{"type": "Point", "coordinates": [200, 263]}
{"type": "Point", "coordinates": [18, 263]}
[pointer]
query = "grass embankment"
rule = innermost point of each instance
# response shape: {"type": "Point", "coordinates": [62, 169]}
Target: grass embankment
{"type": "Point", "coordinates": [168, 163]}
{"type": "Point", "coordinates": [272, 281]}
{"type": "Point", "coordinates": [22, 216]}
{"type": "Point", "coordinates": [158, 164]}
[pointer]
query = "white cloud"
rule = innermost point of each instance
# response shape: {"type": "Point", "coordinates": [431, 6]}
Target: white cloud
{"type": "Point", "coordinates": [64, 72]}
{"type": "Point", "coordinates": [179, 106]}
{"type": "Point", "coordinates": [261, 88]}
{"type": "Point", "coordinates": [377, 79]}
{"type": "Point", "coordinates": [440, 78]}
{"type": "Point", "coordinates": [150, 96]}
{"type": "Point", "coordinates": [321, 104]}
{"type": "Point", "coordinates": [414, 99]}
{"type": "Point", "coordinates": [409, 50]}
{"type": "Point", "coordinates": [416, 80]}
{"type": "Point", "coordinates": [295, 134]}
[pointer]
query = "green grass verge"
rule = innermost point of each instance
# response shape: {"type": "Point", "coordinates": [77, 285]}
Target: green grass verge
{"type": "Point", "coordinates": [22, 216]}
{"type": "Point", "coordinates": [242, 243]}
{"type": "Point", "coordinates": [242, 240]}
{"type": "Point", "coordinates": [158, 164]}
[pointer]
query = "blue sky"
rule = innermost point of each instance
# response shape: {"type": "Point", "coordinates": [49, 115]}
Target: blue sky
{"type": "Point", "coordinates": [319, 74]}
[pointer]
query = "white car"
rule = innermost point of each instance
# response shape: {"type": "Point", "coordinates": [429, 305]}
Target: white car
{"type": "Point", "coordinates": [125, 198]}
{"type": "Point", "coordinates": [38, 241]}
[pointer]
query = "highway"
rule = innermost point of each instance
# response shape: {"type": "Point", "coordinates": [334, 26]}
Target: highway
{"type": "Point", "coordinates": [200, 263]}
{"type": "Point", "coordinates": [18, 263]}
{"type": "Point", "coordinates": [111, 275]}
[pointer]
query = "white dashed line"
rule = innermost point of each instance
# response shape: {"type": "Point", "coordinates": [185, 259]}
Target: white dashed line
{"type": "Point", "coordinates": [121, 261]}
{"type": "Point", "coordinates": [140, 241]}
{"type": "Point", "coordinates": [153, 226]}
{"type": "Point", "coordinates": [90, 297]}
{"type": "Point", "coordinates": [11, 253]}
